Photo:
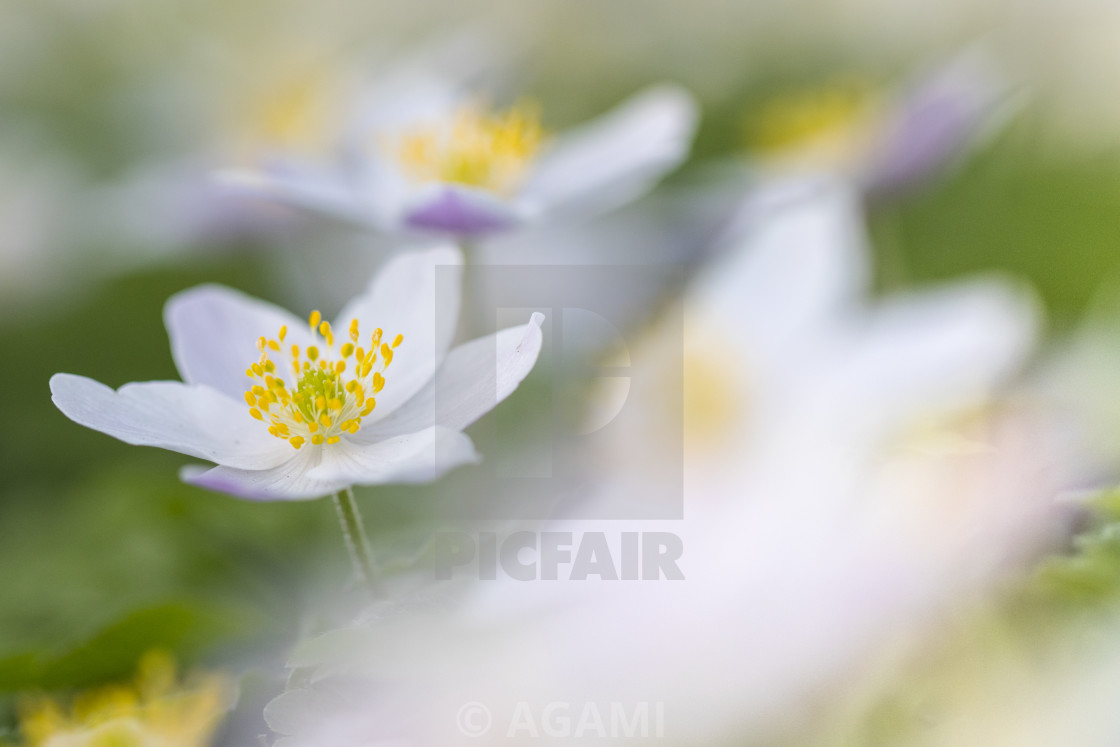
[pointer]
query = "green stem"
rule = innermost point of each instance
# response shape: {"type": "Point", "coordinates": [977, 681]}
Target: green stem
{"type": "Point", "coordinates": [472, 314]}
{"type": "Point", "coordinates": [354, 535]}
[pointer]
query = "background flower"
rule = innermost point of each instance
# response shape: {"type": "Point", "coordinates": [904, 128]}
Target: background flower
{"type": "Point", "coordinates": [154, 709]}
{"type": "Point", "coordinates": [421, 152]}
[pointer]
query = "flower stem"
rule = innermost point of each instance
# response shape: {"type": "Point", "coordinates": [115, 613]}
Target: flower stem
{"type": "Point", "coordinates": [472, 315]}
{"type": "Point", "coordinates": [354, 535]}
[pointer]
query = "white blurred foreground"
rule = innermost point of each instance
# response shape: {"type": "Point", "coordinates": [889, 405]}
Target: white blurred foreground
{"type": "Point", "coordinates": [854, 473]}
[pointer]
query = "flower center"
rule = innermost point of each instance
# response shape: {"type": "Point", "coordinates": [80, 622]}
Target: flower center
{"type": "Point", "coordinates": [715, 388]}
{"type": "Point", "coordinates": [333, 388]}
{"type": "Point", "coordinates": [291, 115]}
{"type": "Point", "coordinates": [827, 120]}
{"type": "Point", "coordinates": [155, 708]}
{"type": "Point", "coordinates": [290, 111]}
{"type": "Point", "coordinates": [477, 148]}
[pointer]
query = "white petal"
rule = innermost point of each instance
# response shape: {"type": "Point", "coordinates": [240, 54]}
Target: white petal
{"type": "Point", "coordinates": [424, 456]}
{"type": "Point", "coordinates": [934, 350]}
{"type": "Point", "coordinates": [475, 377]}
{"type": "Point", "coordinates": [288, 481]}
{"type": "Point", "coordinates": [399, 100]}
{"type": "Point", "coordinates": [615, 158]}
{"type": "Point", "coordinates": [308, 187]}
{"type": "Point", "coordinates": [796, 261]}
{"type": "Point", "coordinates": [193, 420]}
{"type": "Point", "coordinates": [426, 85]}
{"type": "Point", "coordinates": [299, 711]}
{"type": "Point", "coordinates": [214, 332]}
{"type": "Point", "coordinates": [955, 108]}
{"type": "Point", "coordinates": [416, 295]}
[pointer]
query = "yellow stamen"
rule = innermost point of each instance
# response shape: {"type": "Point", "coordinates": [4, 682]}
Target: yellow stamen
{"type": "Point", "coordinates": [826, 126]}
{"type": "Point", "coordinates": [480, 149]}
{"type": "Point", "coordinates": [328, 397]}
{"type": "Point", "coordinates": [155, 707]}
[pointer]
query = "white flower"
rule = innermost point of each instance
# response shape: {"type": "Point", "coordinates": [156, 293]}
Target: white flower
{"type": "Point", "coordinates": [886, 141]}
{"type": "Point", "coordinates": [820, 529]}
{"type": "Point", "coordinates": [290, 409]}
{"type": "Point", "coordinates": [421, 154]}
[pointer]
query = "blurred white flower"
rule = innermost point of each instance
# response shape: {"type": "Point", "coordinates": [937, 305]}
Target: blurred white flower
{"type": "Point", "coordinates": [354, 409]}
{"type": "Point", "coordinates": [420, 153]}
{"type": "Point", "coordinates": [843, 486]}
{"type": "Point", "coordinates": [885, 140]}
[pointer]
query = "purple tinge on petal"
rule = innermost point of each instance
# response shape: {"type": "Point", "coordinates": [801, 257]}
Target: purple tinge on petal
{"type": "Point", "coordinates": [284, 483]}
{"type": "Point", "coordinates": [213, 480]}
{"type": "Point", "coordinates": [935, 123]}
{"type": "Point", "coordinates": [452, 211]}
